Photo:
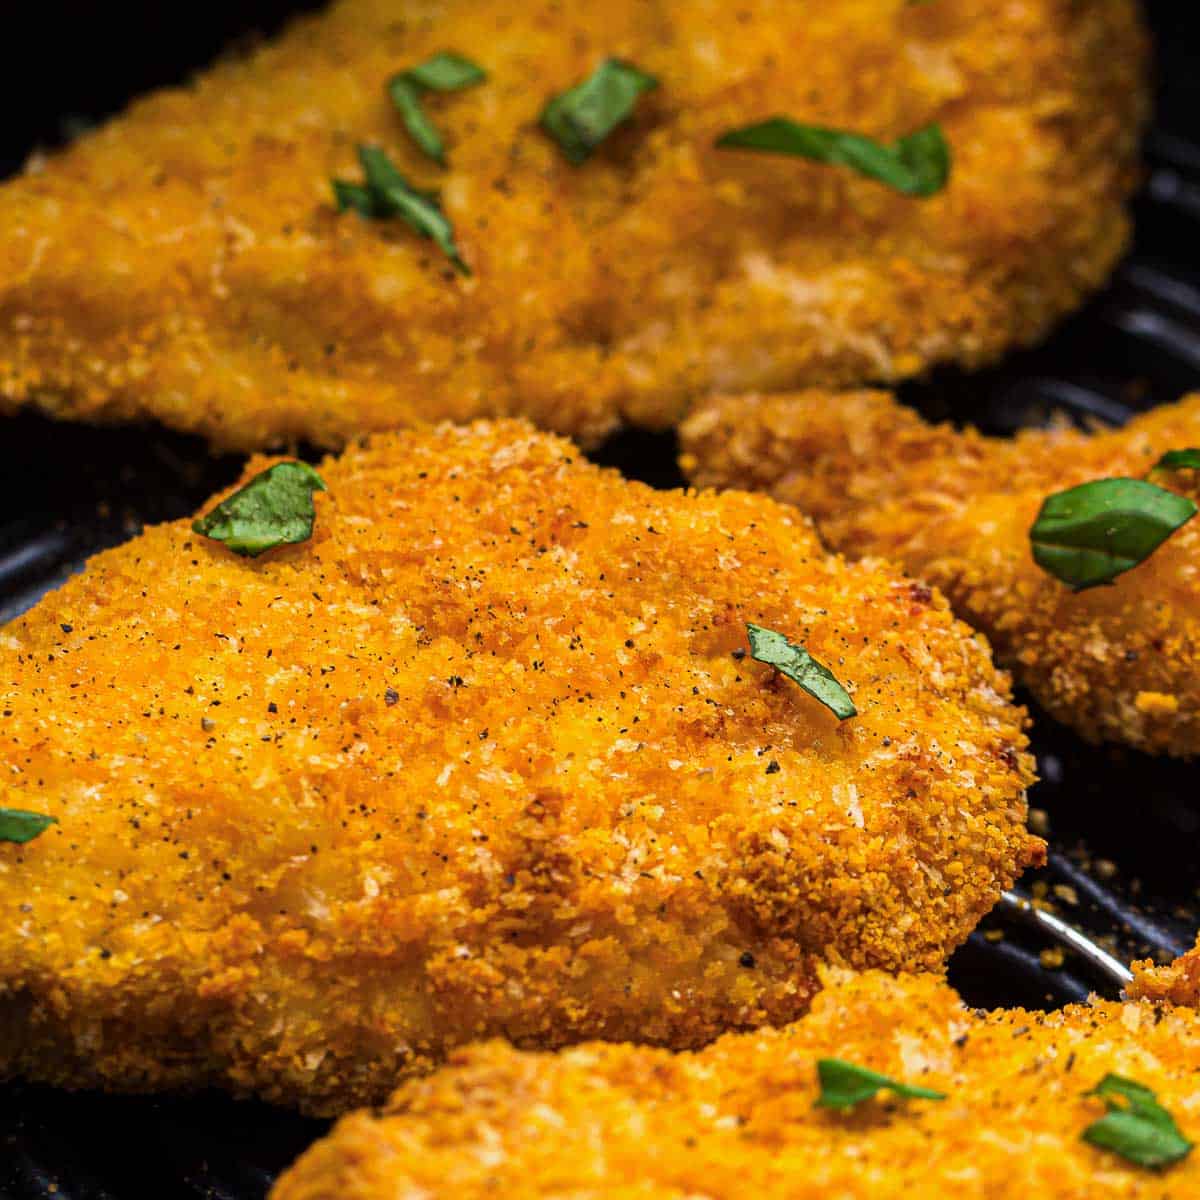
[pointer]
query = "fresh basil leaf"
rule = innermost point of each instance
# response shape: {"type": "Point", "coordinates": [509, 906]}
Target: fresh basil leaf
{"type": "Point", "coordinates": [843, 1085]}
{"type": "Point", "coordinates": [767, 646]}
{"type": "Point", "coordinates": [357, 197]}
{"type": "Point", "coordinates": [385, 180]}
{"type": "Point", "coordinates": [1136, 1126]}
{"type": "Point", "coordinates": [444, 72]}
{"type": "Point", "coordinates": [17, 825]}
{"type": "Point", "coordinates": [1177, 460]}
{"type": "Point", "coordinates": [388, 194]}
{"type": "Point", "coordinates": [580, 118]}
{"type": "Point", "coordinates": [1090, 534]}
{"type": "Point", "coordinates": [422, 210]}
{"type": "Point", "coordinates": [917, 165]}
{"type": "Point", "coordinates": [274, 509]}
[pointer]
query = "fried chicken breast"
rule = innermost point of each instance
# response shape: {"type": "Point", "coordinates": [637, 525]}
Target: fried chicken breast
{"type": "Point", "coordinates": [955, 508]}
{"type": "Point", "coordinates": [186, 262]}
{"type": "Point", "coordinates": [738, 1118]}
{"type": "Point", "coordinates": [485, 756]}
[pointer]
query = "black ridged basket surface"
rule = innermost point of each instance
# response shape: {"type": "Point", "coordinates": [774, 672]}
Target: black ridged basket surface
{"type": "Point", "coordinates": [1123, 827]}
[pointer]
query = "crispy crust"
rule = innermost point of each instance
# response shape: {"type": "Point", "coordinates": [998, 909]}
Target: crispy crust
{"type": "Point", "coordinates": [1175, 983]}
{"type": "Point", "coordinates": [1117, 663]}
{"type": "Point", "coordinates": [737, 1119]}
{"type": "Point", "coordinates": [185, 262]}
{"type": "Point", "coordinates": [478, 759]}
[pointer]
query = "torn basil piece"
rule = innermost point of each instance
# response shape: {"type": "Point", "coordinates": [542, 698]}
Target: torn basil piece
{"type": "Point", "coordinates": [274, 509]}
{"type": "Point", "coordinates": [444, 72]}
{"type": "Point", "coordinates": [354, 195]}
{"type": "Point", "coordinates": [388, 194]}
{"type": "Point", "coordinates": [843, 1085]}
{"type": "Point", "coordinates": [580, 118]}
{"type": "Point", "coordinates": [767, 646]}
{"type": "Point", "coordinates": [1178, 460]}
{"type": "Point", "coordinates": [18, 825]}
{"type": "Point", "coordinates": [1090, 534]}
{"type": "Point", "coordinates": [1136, 1126]}
{"type": "Point", "coordinates": [917, 165]}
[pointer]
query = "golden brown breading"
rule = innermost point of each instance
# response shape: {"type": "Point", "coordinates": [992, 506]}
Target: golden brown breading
{"type": "Point", "coordinates": [737, 1119]}
{"type": "Point", "coordinates": [1176, 983]}
{"type": "Point", "coordinates": [1117, 663]}
{"type": "Point", "coordinates": [483, 757]}
{"type": "Point", "coordinates": [186, 263]}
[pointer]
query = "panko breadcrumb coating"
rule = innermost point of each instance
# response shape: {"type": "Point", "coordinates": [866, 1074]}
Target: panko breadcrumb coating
{"type": "Point", "coordinates": [955, 508]}
{"type": "Point", "coordinates": [484, 757]}
{"type": "Point", "coordinates": [1176, 983]}
{"type": "Point", "coordinates": [737, 1119]}
{"type": "Point", "coordinates": [186, 262]}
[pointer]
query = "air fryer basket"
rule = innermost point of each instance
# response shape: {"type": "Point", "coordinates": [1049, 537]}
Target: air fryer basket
{"type": "Point", "coordinates": [1121, 825]}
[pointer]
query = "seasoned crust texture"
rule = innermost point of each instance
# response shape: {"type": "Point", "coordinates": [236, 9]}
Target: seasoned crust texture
{"type": "Point", "coordinates": [953, 507]}
{"type": "Point", "coordinates": [737, 1118]}
{"type": "Point", "coordinates": [482, 758]}
{"type": "Point", "coordinates": [1176, 983]}
{"type": "Point", "coordinates": [185, 262]}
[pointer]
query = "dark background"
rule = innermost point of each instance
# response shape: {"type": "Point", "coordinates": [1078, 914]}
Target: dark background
{"type": "Point", "coordinates": [66, 491]}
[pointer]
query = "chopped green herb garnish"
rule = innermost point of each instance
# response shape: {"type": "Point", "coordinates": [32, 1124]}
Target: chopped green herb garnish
{"type": "Point", "coordinates": [1136, 1126]}
{"type": "Point", "coordinates": [767, 646]}
{"type": "Point", "coordinates": [444, 72]}
{"type": "Point", "coordinates": [388, 194]}
{"type": "Point", "coordinates": [843, 1085]}
{"type": "Point", "coordinates": [274, 509]}
{"type": "Point", "coordinates": [357, 197]}
{"type": "Point", "coordinates": [1090, 534]}
{"type": "Point", "coordinates": [580, 118]}
{"type": "Point", "coordinates": [1178, 460]}
{"type": "Point", "coordinates": [17, 825]}
{"type": "Point", "coordinates": [917, 165]}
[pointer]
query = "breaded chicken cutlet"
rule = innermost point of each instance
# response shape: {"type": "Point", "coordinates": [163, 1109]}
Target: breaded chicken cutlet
{"type": "Point", "coordinates": [955, 508]}
{"type": "Point", "coordinates": [486, 755]}
{"type": "Point", "coordinates": [187, 262]}
{"type": "Point", "coordinates": [740, 1119]}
